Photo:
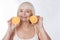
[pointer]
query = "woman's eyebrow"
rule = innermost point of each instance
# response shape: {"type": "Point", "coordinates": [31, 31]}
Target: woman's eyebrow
{"type": "Point", "coordinates": [20, 9]}
{"type": "Point", "coordinates": [29, 9]}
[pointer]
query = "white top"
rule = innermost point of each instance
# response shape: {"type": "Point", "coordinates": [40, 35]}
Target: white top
{"type": "Point", "coordinates": [33, 38]}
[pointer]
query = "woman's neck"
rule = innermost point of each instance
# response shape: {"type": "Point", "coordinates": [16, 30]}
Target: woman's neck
{"type": "Point", "coordinates": [25, 24]}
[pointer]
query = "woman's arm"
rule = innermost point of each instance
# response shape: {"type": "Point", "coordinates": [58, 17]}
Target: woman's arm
{"type": "Point", "coordinates": [42, 34]}
{"type": "Point", "coordinates": [9, 35]}
{"type": "Point", "coordinates": [11, 31]}
{"type": "Point", "coordinates": [41, 31]}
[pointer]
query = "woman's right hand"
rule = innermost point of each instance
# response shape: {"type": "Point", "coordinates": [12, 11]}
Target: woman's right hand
{"type": "Point", "coordinates": [11, 31]}
{"type": "Point", "coordinates": [11, 26]}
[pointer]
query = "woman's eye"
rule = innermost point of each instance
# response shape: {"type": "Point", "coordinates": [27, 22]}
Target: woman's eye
{"type": "Point", "coordinates": [28, 11]}
{"type": "Point", "coordinates": [21, 10]}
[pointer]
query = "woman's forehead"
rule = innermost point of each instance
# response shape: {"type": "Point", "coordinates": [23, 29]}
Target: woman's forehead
{"type": "Point", "coordinates": [25, 8]}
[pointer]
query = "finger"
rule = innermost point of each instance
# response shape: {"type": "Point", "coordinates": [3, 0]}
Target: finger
{"type": "Point", "coordinates": [41, 18]}
{"type": "Point", "coordinates": [10, 22]}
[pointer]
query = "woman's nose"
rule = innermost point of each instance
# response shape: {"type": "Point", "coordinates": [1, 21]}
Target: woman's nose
{"type": "Point", "coordinates": [24, 13]}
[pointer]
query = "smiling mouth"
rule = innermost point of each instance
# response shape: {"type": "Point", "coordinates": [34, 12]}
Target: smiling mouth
{"type": "Point", "coordinates": [23, 16]}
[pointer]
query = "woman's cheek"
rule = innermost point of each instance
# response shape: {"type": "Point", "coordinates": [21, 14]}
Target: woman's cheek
{"type": "Point", "coordinates": [20, 14]}
{"type": "Point", "coordinates": [29, 14]}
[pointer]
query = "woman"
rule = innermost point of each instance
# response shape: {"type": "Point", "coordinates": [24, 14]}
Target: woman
{"type": "Point", "coordinates": [25, 30]}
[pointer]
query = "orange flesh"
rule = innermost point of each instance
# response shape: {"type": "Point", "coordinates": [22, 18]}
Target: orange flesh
{"type": "Point", "coordinates": [33, 19]}
{"type": "Point", "coordinates": [15, 20]}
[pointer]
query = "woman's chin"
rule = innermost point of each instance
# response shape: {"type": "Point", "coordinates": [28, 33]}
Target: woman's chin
{"type": "Point", "coordinates": [24, 19]}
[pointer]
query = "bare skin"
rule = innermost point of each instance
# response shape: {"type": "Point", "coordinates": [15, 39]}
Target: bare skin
{"type": "Point", "coordinates": [23, 29]}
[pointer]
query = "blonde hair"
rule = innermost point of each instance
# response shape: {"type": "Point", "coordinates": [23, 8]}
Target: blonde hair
{"type": "Point", "coordinates": [27, 5]}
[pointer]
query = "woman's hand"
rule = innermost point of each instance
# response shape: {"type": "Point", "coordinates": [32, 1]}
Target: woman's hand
{"type": "Point", "coordinates": [39, 24]}
{"type": "Point", "coordinates": [42, 34]}
{"type": "Point", "coordinates": [11, 31]}
{"type": "Point", "coordinates": [40, 21]}
{"type": "Point", "coordinates": [11, 26]}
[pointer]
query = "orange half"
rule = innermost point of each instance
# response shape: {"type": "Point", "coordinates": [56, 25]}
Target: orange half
{"type": "Point", "coordinates": [33, 19]}
{"type": "Point", "coordinates": [15, 20]}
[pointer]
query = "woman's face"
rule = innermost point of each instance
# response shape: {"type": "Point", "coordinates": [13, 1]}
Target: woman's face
{"type": "Point", "coordinates": [24, 13]}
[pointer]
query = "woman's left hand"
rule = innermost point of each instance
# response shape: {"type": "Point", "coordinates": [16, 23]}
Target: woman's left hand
{"type": "Point", "coordinates": [39, 24]}
{"type": "Point", "coordinates": [42, 34]}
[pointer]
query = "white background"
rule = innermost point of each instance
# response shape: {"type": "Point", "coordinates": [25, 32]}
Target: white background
{"type": "Point", "coordinates": [49, 9]}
